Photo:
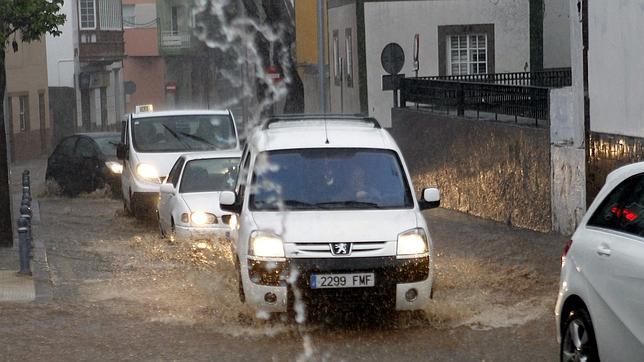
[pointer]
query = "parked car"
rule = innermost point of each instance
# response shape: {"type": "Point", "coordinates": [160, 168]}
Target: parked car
{"type": "Point", "coordinates": [85, 162]}
{"type": "Point", "coordinates": [189, 198]}
{"type": "Point", "coordinates": [600, 307]}
{"type": "Point", "coordinates": [151, 143]}
{"type": "Point", "coordinates": [330, 197]}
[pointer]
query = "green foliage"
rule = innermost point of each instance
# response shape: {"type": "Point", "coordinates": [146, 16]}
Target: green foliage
{"type": "Point", "coordinates": [29, 19]}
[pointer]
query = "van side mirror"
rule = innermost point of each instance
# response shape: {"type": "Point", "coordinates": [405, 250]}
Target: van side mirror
{"type": "Point", "coordinates": [121, 151]}
{"type": "Point", "coordinates": [166, 188]}
{"type": "Point", "coordinates": [431, 198]}
{"type": "Point", "coordinates": [228, 202]}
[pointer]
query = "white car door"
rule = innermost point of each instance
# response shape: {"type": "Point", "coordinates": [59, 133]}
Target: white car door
{"type": "Point", "coordinates": [626, 254]}
{"type": "Point", "coordinates": [167, 200]}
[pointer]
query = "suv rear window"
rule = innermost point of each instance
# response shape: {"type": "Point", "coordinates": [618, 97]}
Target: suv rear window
{"type": "Point", "coordinates": [329, 178]}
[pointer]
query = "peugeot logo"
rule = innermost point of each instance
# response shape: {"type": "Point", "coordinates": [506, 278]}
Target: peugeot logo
{"type": "Point", "coordinates": [340, 248]}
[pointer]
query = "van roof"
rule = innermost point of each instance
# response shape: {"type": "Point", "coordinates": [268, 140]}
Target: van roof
{"type": "Point", "coordinates": [191, 112]}
{"type": "Point", "coordinates": [320, 131]}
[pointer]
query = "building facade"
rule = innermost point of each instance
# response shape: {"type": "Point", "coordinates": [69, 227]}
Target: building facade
{"type": "Point", "coordinates": [453, 37]}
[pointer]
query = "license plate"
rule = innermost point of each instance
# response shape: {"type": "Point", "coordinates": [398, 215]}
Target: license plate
{"type": "Point", "coordinates": [355, 280]}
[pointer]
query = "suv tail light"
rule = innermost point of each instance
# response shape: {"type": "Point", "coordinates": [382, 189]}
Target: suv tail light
{"type": "Point", "coordinates": [565, 252]}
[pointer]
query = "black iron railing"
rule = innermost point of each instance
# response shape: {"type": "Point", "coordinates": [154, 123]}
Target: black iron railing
{"type": "Point", "coordinates": [553, 78]}
{"type": "Point", "coordinates": [525, 102]}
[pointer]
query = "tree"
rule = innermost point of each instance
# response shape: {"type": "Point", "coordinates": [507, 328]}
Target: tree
{"type": "Point", "coordinates": [20, 21]}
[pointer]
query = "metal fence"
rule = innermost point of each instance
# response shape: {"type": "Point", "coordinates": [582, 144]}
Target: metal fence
{"type": "Point", "coordinates": [518, 101]}
{"type": "Point", "coordinates": [553, 78]}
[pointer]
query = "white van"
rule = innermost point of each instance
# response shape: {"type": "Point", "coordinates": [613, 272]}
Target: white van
{"type": "Point", "coordinates": [325, 210]}
{"type": "Point", "coordinates": [152, 142]}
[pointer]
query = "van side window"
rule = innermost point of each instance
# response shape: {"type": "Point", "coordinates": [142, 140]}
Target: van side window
{"type": "Point", "coordinates": [622, 209]}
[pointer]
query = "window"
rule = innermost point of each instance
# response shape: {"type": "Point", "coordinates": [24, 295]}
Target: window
{"type": "Point", "coordinates": [348, 46]}
{"type": "Point", "coordinates": [176, 16]}
{"type": "Point", "coordinates": [110, 14]}
{"type": "Point", "coordinates": [85, 148]}
{"type": "Point", "coordinates": [87, 11]}
{"type": "Point", "coordinates": [129, 16]}
{"type": "Point", "coordinates": [336, 58]}
{"type": "Point", "coordinates": [466, 49]}
{"type": "Point", "coordinates": [173, 177]}
{"type": "Point", "coordinates": [24, 113]}
{"type": "Point", "coordinates": [467, 54]}
{"type": "Point", "coordinates": [623, 208]}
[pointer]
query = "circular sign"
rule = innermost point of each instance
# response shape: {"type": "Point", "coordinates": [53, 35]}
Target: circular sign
{"type": "Point", "coordinates": [392, 58]}
{"type": "Point", "coordinates": [130, 87]}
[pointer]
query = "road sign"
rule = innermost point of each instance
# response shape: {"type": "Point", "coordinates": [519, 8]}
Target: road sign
{"type": "Point", "coordinates": [392, 58]}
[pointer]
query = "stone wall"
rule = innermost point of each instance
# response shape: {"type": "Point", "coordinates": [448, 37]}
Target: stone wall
{"type": "Point", "coordinates": [493, 170]}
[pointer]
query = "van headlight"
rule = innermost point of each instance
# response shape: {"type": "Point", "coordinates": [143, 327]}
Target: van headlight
{"type": "Point", "coordinates": [412, 242]}
{"type": "Point", "coordinates": [147, 172]}
{"type": "Point", "coordinates": [115, 167]}
{"type": "Point", "coordinates": [265, 245]}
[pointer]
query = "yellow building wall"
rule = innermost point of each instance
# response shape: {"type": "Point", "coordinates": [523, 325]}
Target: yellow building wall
{"type": "Point", "coordinates": [306, 31]}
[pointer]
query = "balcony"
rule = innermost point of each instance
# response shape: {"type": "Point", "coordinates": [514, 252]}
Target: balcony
{"type": "Point", "coordinates": [174, 42]}
{"type": "Point", "coordinates": [516, 97]}
{"type": "Point", "coordinates": [100, 46]}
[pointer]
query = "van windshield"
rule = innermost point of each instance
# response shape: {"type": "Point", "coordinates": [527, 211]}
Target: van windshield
{"type": "Point", "coordinates": [329, 178]}
{"type": "Point", "coordinates": [183, 133]}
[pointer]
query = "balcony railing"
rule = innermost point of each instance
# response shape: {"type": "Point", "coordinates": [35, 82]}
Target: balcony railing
{"type": "Point", "coordinates": [174, 40]}
{"type": "Point", "coordinates": [519, 102]}
{"type": "Point", "coordinates": [553, 78]}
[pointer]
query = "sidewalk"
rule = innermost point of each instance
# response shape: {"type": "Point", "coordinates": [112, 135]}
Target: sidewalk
{"type": "Point", "coordinates": [14, 287]}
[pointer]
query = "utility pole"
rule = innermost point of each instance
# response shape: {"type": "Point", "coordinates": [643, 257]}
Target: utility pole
{"type": "Point", "coordinates": [321, 56]}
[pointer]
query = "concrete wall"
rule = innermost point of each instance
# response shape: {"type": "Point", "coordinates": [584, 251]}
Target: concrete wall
{"type": "Point", "coordinates": [556, 34]}
{"type": "Point", "coordinates": [615, 67]}
{"type": "Point", "coordinates": [398, 21]}
{"type": "Point", "coordinates": [568, 162]}
{"type": "Point", "coordinates": [345, 95]}
{"type": "Point", "coordinates": [491, 170]}
{"type": "Point", "coordinates": [60, 51]}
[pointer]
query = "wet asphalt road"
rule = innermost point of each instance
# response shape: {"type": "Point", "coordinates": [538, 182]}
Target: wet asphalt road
{"type": "Point", "coordinates": [119, 292]}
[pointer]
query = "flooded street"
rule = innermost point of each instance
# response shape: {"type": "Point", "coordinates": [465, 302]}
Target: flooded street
{"type": "Point", "coordinates": [119, 291]}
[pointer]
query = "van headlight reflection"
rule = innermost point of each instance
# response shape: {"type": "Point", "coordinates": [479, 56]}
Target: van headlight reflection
{"type": "Point", "coordinates": [412, 242]}
{"type": "Point", "coordinates": [266, 245]}
{"type": "Point", "coordinates": [115, 167]}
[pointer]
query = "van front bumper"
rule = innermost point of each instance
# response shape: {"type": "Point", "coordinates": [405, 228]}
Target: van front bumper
{"type": "Point", "coordinates": [394, 278]}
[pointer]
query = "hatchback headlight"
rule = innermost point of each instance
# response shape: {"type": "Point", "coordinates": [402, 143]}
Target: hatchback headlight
{"type": "Point", "coordinates": [412, 242]}
{"type": "Point", "coordinates": [147, 172]}
{"type": "Point", "coordinates": [266, 245]}
{"type": "Point", "coordinates": [198, 218]}
{"type": "Point", "coordinates": [115, 167]}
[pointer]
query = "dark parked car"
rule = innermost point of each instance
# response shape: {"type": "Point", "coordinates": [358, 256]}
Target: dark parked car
{"type": "Point", "coordinates": [85, 162]}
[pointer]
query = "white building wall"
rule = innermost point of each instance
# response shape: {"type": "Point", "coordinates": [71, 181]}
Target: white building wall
{"type": "Point", "coordinates": [398, 21]}
{"type": "Point", "coordinates": [340, 19]}
{"type": "Point", "coordinates": [615, 67]}
{"type": "Point", "coordinates": [556, 34]}
{"type": "Point", "coordinates": [60, 51]}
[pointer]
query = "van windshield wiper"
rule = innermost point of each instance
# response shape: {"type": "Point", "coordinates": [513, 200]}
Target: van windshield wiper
{"type": "Point", "coordinates": [197, 138]}
{"type": "Point", "coordinates": [349, 204]}
{"type": "Point", "coordinates": [297, 204]}
{"type": "Point", "coordinates": [175, 135]}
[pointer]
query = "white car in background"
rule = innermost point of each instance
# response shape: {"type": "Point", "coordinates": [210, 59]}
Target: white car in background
{"type": "Point", "coordinates": [325, 206]}
{"type": "Point", "coordinates": [189, 198]}
{"type": "Point", "coordinates": [600, 307]}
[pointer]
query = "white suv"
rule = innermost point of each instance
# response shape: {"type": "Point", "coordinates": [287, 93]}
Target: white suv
{"type": "Point", "coordinates": [325, 211]}
{"type": "Point", "coordinates": [600, 308]}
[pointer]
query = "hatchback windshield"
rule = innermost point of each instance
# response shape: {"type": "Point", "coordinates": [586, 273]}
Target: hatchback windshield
{"type": "Point", "coordinates": [108, 144]}
{"type": "Point", "coordinates": [336, 178]}
{"type": "Point", "coordinates": [183, 133]}
{"type": "Point", "coordinates": [212, 174]}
